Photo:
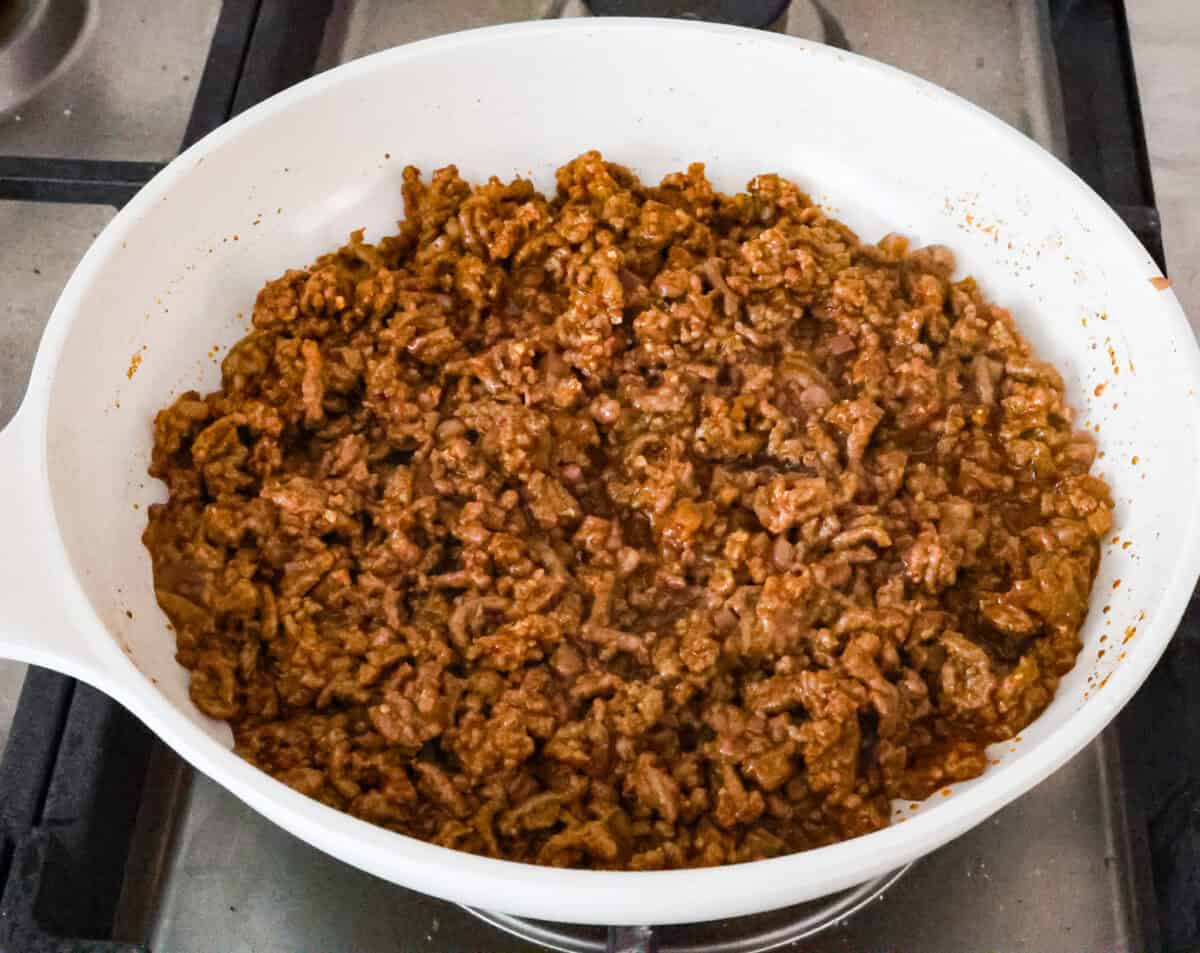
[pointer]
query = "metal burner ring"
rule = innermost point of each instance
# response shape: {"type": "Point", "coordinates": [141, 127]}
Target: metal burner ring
{"type": "Point", "coordinates": [39, 40]}
{"type": "Point", "coordinates": [745, 934]}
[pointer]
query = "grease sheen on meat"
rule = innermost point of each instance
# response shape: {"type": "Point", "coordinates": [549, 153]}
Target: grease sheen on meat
{"type": "Point", "coordinates": [640, 527]}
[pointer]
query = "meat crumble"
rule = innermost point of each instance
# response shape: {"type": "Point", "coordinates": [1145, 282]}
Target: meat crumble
{"type": "Point", "coordinates": [634, 528]}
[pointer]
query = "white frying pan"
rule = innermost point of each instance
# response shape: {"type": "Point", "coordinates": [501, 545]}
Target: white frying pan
{"type": "Point", "coordinates": [176, 272]}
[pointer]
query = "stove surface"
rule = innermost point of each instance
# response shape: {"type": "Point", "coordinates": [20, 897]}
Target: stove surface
{"type": "Point", "coordinates": [130, 94]}
{"type": "Point", "coordinates": [1052, 872]}
{"type": "Point", "coordinates": [1044, 874]}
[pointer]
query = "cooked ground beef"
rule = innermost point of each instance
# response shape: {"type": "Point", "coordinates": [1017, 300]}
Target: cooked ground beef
{"type": "Point", "coordinates": [640, 527]}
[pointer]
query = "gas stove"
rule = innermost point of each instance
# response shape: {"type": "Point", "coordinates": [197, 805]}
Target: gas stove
{"type": "Point", "coordinates": [109, 843]}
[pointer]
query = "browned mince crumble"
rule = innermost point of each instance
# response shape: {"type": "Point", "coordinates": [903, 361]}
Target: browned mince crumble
{"type": "Point", "coordinates": [638, 527]}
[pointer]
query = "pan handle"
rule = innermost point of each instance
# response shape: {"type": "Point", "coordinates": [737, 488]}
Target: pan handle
{"type": "Point", "coordinates": [34, 627]}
